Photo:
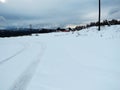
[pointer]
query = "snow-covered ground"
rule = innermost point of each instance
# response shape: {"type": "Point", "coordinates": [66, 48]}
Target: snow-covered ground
{"type": "Point", "coordinates": [85, 60]}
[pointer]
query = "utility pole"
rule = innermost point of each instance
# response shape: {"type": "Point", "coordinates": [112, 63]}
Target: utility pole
{"type": "Point", "coordinates": [30, 27]}
{"type": "Point", "coordinates": [99, 17]}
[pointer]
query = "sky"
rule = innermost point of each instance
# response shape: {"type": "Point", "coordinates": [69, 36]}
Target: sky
{"type": "Point", "coordinates": [56, 11]}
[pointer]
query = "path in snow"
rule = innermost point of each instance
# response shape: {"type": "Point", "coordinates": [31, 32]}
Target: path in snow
{"type": "Point", "coordinates": [24, 79]}
{"type": "Point", "coordinates": [14, 55]}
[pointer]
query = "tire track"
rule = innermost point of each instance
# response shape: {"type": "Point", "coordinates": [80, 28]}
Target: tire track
{"type": "Point", "coordinates": [14, 55]}
{"type": "Point", "coordinates": [22, 82]}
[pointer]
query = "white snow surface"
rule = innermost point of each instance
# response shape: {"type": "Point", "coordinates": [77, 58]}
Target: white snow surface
{"type": "Point", "coordinates": [85, 60]}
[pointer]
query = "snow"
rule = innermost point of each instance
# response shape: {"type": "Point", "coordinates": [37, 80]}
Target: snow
{"type": "Point", "coordinates": [85, 60]}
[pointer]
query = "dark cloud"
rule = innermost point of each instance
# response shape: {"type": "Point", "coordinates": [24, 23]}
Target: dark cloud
{"type": "Point", "coordinates": [114, 11]}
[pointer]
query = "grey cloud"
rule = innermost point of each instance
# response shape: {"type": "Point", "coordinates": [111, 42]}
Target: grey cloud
{"type": "Point", "coordinates": [58, 11]}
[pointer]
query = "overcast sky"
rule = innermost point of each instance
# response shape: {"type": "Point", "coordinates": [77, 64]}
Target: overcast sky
{"type": "Point", "coordinates": [58, 11]}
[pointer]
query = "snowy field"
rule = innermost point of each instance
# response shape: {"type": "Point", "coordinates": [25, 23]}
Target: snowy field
{"type": "Point", "coordinates": [85, 60]}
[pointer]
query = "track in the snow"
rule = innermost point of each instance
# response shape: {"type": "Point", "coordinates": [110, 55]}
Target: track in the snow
{"type": "Point", "coordinates": [24, 79]}
{"type": "Point", "coordinates": [14, 55]}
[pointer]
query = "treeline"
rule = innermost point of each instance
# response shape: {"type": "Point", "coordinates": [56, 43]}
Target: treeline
{"type": "Point", "coordinates": [23, 32]}
{"type": "Point", "coordinates": [28, 31]}
{"type": "Point", "coordinates": [103, 23]}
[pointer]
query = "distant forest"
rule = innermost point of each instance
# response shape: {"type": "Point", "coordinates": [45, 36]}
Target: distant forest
{"type": "Point", "coordinates": [29, 31]}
